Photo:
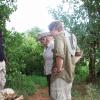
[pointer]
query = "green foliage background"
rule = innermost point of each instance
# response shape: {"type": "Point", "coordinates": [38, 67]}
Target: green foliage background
{"type": "Point", "coordinates": [24, 54]}
{"type": "Point", "coordinates": [24, 61]}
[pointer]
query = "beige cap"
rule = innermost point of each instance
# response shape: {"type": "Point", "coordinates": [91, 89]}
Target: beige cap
{"type": "Point", "coordinates": [43, 35]}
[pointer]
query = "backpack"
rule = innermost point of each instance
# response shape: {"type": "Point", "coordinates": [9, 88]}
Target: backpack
{"type": "Point", "coordinates": [71, 42]}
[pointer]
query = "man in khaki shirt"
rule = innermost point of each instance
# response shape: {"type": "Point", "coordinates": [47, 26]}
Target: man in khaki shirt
{"type": "Point", "coordinates": [64, 64]}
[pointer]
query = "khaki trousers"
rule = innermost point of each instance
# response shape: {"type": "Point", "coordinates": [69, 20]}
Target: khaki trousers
{"type": "Point", "coordinates": [2, 75]}
{"type": "Point", "coordinates": [60, 90]}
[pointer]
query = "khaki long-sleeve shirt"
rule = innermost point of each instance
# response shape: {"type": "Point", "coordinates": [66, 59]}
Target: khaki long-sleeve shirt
{"type": "Point", "coordinates": [61, 50]}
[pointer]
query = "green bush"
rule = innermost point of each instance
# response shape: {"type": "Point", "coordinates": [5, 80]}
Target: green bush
{"type": "Point", "coordinates": [24, 54]}
{"type": "Point", "coordinates": [26, 85]}
{"type": "Point", "coordinates": [81, 72]}
{"type": "Point", "coordinates": [21, 84]}
{"type": "Point", "coordinates": [39, 80]}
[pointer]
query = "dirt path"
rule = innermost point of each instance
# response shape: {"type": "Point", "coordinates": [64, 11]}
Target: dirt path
{"type": "Point", "coordinates": [41, 94]}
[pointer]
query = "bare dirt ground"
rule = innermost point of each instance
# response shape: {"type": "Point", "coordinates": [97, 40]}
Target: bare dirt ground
{"type": "Point", "coordinates": [41, 94]}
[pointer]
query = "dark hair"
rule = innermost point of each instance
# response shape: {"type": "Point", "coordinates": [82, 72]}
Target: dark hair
{"type": "Point", "coordinates": [57, 25]}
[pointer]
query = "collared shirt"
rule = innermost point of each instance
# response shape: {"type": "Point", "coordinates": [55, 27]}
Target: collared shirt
{"type": "Point", "coordinates": [61, 50]}
{"type": "Point", "coordinates": [48, 58]}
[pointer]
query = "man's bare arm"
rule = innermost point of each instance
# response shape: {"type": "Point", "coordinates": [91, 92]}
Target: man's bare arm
{"type": "Point", "coordinates": [58, 65]}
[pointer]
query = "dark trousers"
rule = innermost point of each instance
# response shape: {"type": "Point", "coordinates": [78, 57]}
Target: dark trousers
{"type": "Point", "coordinates": [48, 81]}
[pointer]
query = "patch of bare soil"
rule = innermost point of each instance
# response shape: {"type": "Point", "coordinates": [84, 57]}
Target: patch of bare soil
{"type": "Point", "coordinates": [41, 94]}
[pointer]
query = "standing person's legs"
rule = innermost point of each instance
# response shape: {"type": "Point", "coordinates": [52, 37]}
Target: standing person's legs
{"type": "Point", "coordinates": [2, 75]}
{"type": "Point", "coordinates": [68, 90]}
{"type": "Point", "coordinates": [2, 79]}
{"type": "Point", "coordinates": [48, 81]}
{"type": "Point", "coordinates": [60, 90]}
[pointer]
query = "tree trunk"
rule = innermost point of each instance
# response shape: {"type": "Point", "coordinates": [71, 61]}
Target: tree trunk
{"type": "Point", "coordinates": [92, 58]}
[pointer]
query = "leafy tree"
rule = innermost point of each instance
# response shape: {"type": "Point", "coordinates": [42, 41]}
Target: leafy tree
{"type": "Point", "coordinates": [33, 57]}
{"type": "Point", "coordinates": [6, 8]}
{"type": "Point", "coordinates": [92, 7]}
{"type": "Point", "coordinates": [14, 53]}
{"type": "Point", "coordinates": [24, 54]}
{"type": "Point", "coordinates": [34, 32]}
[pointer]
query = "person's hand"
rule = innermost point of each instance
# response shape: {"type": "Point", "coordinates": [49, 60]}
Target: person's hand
{"type": "Point", "coordinates": [60, 70]}
{"type": "Point", "coordinates": [56, 70]}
